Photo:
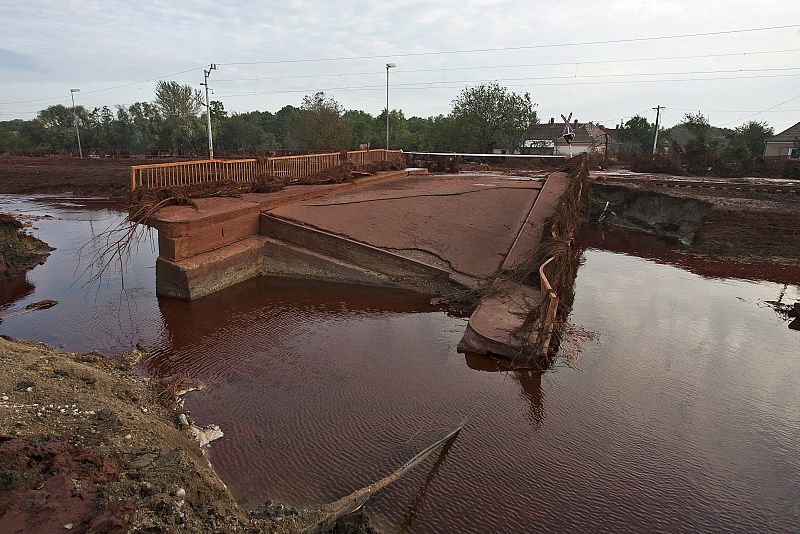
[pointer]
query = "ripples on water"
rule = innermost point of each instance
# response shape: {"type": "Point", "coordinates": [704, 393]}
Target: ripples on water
{"type": "Point", "coordinates": [684, 416]}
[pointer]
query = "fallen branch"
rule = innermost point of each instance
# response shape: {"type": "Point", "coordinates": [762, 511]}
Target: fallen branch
{"type": "Point", "coordinates": [357, 499]}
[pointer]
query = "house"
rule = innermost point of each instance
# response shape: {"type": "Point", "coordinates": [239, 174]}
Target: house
{"type": "Point", "coordinates": [547, 139]}
{"type": "Point", "coordinates": [784, 145]}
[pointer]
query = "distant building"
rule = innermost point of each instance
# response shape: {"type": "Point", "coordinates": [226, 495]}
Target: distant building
{"type": "Point", "coordinates": [547, 139]}
{"type": "Point", "coordinates": [786, 144]}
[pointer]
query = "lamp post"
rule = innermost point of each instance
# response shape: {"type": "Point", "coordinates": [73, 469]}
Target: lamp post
{"type": "Point", "coordinates": [75, 114]}
{"type": "Point", "coordinates": [388, 66]}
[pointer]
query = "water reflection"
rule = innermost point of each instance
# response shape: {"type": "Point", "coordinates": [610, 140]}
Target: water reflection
{"type": "Point", "coordinates": [411, 511]}
{"type": "Point", "coordinates": [529, 381]}
{"type": "Point", "coordinates": [671, 252]}
{"type": "Point", "coordinates": [13, 289]}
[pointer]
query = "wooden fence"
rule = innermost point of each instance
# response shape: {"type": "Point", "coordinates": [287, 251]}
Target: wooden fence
{"type": "Point", "coordinates": [158, 175]}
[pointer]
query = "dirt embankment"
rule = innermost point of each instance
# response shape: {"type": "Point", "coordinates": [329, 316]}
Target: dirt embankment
{"type": "Point", "coordinates": [18, 250]}
{"type": "Point", "coordinates": [61, 175]}
{"type": "Point", "coordinates": [87, 446]}
{"type": "Point", "coordinates": [740, 225]}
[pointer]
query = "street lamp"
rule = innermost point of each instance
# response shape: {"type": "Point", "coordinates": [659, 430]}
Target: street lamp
{"type": "Point", "coordinates": [388, 66]}
{"type": "Point", "coordinates": [75, 113]}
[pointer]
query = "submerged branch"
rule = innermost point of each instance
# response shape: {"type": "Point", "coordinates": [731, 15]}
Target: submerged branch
{"type": "Point", "coordinates": [357, 499]}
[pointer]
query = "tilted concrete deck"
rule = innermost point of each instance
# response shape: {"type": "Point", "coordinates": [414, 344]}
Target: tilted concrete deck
{"type": "Point", "coordinates": [464, 223]}
{"type": "Point", "coordinates": [426, 232]}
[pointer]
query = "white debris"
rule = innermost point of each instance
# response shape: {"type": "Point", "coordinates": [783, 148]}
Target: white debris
{"type": "Point", "coordinates": [206, 435]}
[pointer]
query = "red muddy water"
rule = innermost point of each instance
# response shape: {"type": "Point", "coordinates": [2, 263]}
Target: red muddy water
{"type": "Point", "coordinates": [683, 416]}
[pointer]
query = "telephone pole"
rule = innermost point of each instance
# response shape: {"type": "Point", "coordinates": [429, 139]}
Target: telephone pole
{"type": "Point", "coordinates": [75, 115]}
{"type": "Point", "coordinates": [655, 137]}
{"type": "Point", "coordinates": [206, 74]}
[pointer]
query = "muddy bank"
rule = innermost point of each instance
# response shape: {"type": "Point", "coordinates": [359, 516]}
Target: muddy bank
{"type": "Point", "coordinates": [18, 250]}
{"type": "Point", "coordinates": [59, 175]}
{"type": "Point", "coordinates": [88, 446]}
{"type": "Point", "coordinates": [747, 226]}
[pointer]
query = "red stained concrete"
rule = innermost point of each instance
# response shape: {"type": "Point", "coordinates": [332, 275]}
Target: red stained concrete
{"type": "Point", "coordinates": [392, 229]}
{"type": "Point", "coordinates": [468, 221]}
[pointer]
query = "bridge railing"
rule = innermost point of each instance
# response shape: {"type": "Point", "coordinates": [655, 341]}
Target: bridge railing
{"type": "Point", "coordinates": [159, 175]}
{"type": "Point", "coordinates": [548, 319]}
{"type": "Point", "coordinates": [363, 157]}
{"type": "Point", "coordinates": [300, 166]}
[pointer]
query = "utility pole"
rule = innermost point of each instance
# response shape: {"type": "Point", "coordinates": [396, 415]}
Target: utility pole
{"type": "Point", "coordinates": [388, 66]}
{"type": "Point", "coordinates": [655, 137]}
{"type": "Point", "coordinates": [75, 114]}
{"type": "Point", "coordinates": [206, 74]}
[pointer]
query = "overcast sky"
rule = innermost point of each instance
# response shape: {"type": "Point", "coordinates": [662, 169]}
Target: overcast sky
{"type": "Point", "coordinates": [50, 46]}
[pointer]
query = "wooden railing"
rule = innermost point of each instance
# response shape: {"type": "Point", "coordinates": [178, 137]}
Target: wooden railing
{"type": "Point", "coordinates": [159, 175]}
{"type": "Point", "coordinates": [551, 297]}
{"type": "Point", "coordinates": [362, 157]}
{"type": "Point", "coordinates": [300, 166]}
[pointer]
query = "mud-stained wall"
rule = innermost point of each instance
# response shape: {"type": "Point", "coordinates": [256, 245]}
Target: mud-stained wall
{"type": "Point", "coordinates": [649, 211]}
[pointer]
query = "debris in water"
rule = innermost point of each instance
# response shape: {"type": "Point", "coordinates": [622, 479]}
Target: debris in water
{"type": "Point", "coordinates": [357, 499]}
{"type": "Point", "coordinates": [33, 306]}
{"type": "Point", "coordinates": [205, 436]}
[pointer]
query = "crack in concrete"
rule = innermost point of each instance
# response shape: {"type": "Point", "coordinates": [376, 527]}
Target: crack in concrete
{"type": "Point", "coordinates": [442, 259]}
{"type": "Point", "coordinates": [345, 203]}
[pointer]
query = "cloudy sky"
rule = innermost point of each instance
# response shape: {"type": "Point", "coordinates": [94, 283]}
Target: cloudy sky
{"type": "Point", "coordinates": [115, 51]}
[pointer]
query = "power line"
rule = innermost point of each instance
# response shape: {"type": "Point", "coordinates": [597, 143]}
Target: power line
{"type": "Point", "coordinates": [517, 65]}
{"type": "Point", "coordinates": [522, 47]}
{"type": "Point", "coordinates": [101, 90]}
{"type": "Point", "coordinates": [762, 111]}
{"type": "Point", "coordinates": [450, 52]}
{"type": "Point", "coordinates": [571, 77]}
{"type": "Point", "coordinates": [737, 110]}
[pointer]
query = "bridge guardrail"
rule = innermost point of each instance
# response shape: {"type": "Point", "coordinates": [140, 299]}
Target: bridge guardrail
{"type": "Point", "coordinates": [157, 175]}
{"type": "Point", "coordinates": [548, 293]}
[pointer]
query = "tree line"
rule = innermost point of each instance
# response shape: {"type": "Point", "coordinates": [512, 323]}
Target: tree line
{"type": "Point", "coordinates": [701, 147]}
{"type": "Point", "coordinates": [483, 117]}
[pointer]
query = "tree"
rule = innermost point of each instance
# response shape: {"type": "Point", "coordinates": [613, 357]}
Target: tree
{"type": "Point", "coordinates": [702, 148]}
{"type": "Point", "coordinates": [490, 116]}
{"type": "Point", "coordinates": [440, 135]}
{"type": "Point", "coordinates": [754, 135]}
{"type": "Point", "coordinates": [734, 155]}
{"type": "Point", "coordinates": [55, 127]}
{"type": "Point", "coordinates": [638, 133]}
{"type": "Point", "coordinates": [319, 125]}
{"type": "Point", "coordinates": [180, 107]}
{"type": "Point", "coordinates": [362, 125]}
{"type": "Point", "coordinates": [397, 129]}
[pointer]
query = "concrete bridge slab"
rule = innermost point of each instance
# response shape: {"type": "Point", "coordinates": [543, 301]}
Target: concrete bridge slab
{"type": "Point", "coordinates": [464, 223]}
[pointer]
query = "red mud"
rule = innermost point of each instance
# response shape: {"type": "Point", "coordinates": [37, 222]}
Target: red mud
{"type": "Point", "coordinates": [48, 485]}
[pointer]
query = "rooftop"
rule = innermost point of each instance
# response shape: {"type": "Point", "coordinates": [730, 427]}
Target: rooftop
{"type": "Point", "coordinates": [554, 130]}
{"type": "Point", "coordinates": [789, 134]}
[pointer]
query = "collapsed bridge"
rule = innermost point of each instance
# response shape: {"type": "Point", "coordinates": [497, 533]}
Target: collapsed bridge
{"type": "Point", "coordinates": [504, 241]}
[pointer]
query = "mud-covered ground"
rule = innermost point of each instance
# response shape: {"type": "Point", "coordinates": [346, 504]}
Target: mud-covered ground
{"type": "Point", "coordinates": [86, 445]}
{"type": "Point", "coordinates": [19, 251]}
{"type": "Point", "coordinates": [741, 223]}
{"type": "Point", "coordinates": [62, 175]}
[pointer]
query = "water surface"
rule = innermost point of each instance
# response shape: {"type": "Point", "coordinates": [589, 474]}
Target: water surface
{"type": "Point", "coordinates": [683, 416]}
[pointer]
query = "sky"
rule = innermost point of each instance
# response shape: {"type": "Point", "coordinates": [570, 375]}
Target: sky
{"type": "Point", "coordinates": [116, 51]}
